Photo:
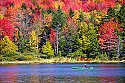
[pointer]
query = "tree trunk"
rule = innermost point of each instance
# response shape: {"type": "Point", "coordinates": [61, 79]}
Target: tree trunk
{"type": "Point", "coordinates": [57, 45]}
{"type": "Point", "coordinates": [118, 47]}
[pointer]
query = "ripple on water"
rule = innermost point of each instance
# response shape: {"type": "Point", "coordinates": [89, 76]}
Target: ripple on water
{"type": "Point", "coordinates": [62, 73]}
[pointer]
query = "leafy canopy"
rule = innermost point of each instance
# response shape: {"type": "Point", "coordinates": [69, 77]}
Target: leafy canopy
{"type": "Point", "coordinates": [7, 46]}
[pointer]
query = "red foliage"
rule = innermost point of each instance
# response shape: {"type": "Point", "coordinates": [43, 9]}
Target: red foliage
{"type": "Point", "coordinates": [107, 35]}
{"type": "Point", "coordinates": [121, 1]}
{"type": "Point", "coordinates": [52, 35]}
{"type": "Point", "coordinates": [10, 13]}
{"type": "Point", "coordinates": [6, 28]}
{"type": "Point", "coordinates": [52, 38]}
{"type": "Point", "coordinates": [104, 28]}
{"type": "Point", "coordinates": [85, 5]}
{"type": "Point", "coordinates": [7, 3]}
{"type": "Point", "coordinates": [1, 2]}
{"type": "Point", "coordinates": [102, 5]}
{"type": "Point", "coordinates": [46, 4]}
{"type": "Point", "coordinates": [88, 5]}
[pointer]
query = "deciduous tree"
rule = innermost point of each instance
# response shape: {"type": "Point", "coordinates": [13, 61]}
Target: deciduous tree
{"type": "Point", "coordinates": [6, 29]}
{"type": "Point", "coordinates": [7, 46]}
{"type": "Point", "coordinates": [47, 49]}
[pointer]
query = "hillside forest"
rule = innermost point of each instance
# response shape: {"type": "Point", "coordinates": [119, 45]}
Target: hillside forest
{"type": "Point", "coordinates": [35, 29]}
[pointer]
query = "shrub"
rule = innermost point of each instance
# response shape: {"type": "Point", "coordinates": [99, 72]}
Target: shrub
{"type": "Point", "coordinates": [8, 59]}
{"type": "Point", "coordinates": [29, 57]}
{"type": "Point", "coordinates": [43, 56]}
{"type": "Point", "coordinates": [1, 58]}
{"type": "Point", "coordinates": [102, 57]}
{"type": "Point", "coordinates": [89, 59]}
{"type": "Point", "coordinates": [76, 53]}
{"type": "Point", "coordinates": [21, 58]}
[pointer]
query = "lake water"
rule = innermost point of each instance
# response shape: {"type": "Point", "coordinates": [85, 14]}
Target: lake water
{"type": "Point", "coordinates": [62, 73]}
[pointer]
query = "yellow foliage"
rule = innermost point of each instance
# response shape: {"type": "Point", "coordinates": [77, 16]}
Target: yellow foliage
{"type": "Point", "coordinates": [33, 39]}
{"type": "Point", "coordinates": [56, 4]}
{"type": "Point", "coordinates": [76, 16]}
{"type": "Point", "coordinates": [84, 42]}
{"type": "Point", "coordinates": [117, 7]}
{"type": "Point", "coordinates": [48, 19]}
{"type": "Point", "coordinates": [7, 46]}
{"type": "Point", "coordinates": [87, 15]}
{"type": "Point", "coordinates": [99, 15]}
{"type": "Point", "coordinates": [83, 27]}
{"type": "Point", "coordinates": [47, 49]}
{"type": "Point", "coordinates": [1, 16]}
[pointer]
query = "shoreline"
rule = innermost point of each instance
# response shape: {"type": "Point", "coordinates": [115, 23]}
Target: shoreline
{"type": "Point", "coordinates": [57, 62]}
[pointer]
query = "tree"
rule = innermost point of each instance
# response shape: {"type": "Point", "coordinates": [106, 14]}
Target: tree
{"type": "Point", "coordinates": [52, 38]}
{"type": "Point", "coordinates": [83, 42]}
{"type": "Point", "coordinates": [108, 36]}
{"type": "Point", "coordinates": [6, 29]}
{"type": "Point", "coordinates": [7, 46]}
{"type": "Point", "coordinates": [25, 18]}
{"type": "Point", "coordinates": [117, 14]}
{"type": "Point", "coordinates": [58, 21]}
{"type": "Point", "coordinates": [47, 49]}
{"type": "Point", "coordinates": [87, 34]}
{"type": "Point", "coordinates": [33, 41]}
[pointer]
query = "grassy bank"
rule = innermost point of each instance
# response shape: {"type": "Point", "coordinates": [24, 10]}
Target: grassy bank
{"type": "Point", "coordinates": [34, 58]}
{"type": "Point", "coordinates": [57, 60]}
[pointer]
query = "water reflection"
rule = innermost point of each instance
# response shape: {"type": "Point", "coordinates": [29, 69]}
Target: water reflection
{"type": "Point", "coordinates": [62, 73]}
{"type": "Point", "coordinates": [108, 70]}
{"type": "Point", "coordinates": [8, 75]}
{"type": "Point", "coordinates": [33, 78]}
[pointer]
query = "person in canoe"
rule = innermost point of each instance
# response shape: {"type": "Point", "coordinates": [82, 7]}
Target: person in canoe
{"type": "Point", "coordinates": [82, 68]}
{"type": "Point", "coordinates": [86, 66]}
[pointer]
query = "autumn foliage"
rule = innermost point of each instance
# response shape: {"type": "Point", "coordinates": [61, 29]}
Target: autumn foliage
{"type": "Point", "coordinates": [7, 46]}
{"type": "Point", "coordinates": [108, 35]}
{"type": "Point", "coordinates": [6, 28]}
{"type": "Point", "coordinates": [89, 27]}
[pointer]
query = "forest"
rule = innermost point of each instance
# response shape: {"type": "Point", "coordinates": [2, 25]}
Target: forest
{"type": "Point", "coordinates": [37, 29]}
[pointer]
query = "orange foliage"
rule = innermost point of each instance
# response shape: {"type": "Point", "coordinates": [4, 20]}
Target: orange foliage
{"type": "Point", "coordinates": [10, 13]}
{"type": "Point", "coordinates": [104, 28]}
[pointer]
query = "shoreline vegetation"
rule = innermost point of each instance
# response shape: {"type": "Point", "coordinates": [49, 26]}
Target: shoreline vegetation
{"type": "Point", "coordinates": [57, 62]}
{"type": "Point", "coordinates": [36, 58]}
{"type": "Point", "coordinates": [53, 61]}
{"type": "Point", "coordinates": [54, 31]}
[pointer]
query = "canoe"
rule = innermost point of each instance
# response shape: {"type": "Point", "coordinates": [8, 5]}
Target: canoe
{"type": "Point", "coordinates": [82, 68]}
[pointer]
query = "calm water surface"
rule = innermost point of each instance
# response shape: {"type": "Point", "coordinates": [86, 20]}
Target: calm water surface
{"type": "Point", "coordinates": [62, 73]}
